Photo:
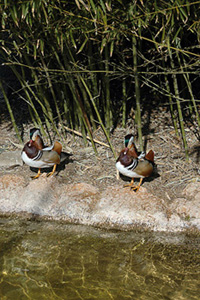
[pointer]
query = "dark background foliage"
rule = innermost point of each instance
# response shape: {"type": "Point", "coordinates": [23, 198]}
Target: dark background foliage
{"type": "Point", "coordinates": [85, 63]}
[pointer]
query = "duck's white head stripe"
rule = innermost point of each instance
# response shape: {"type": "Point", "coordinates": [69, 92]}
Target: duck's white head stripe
{"type": "Point", "coordinates": [35, 134]}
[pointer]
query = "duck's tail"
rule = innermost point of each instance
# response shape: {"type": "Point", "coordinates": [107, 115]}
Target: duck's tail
{"type": "Point", "coordinates": [150, 156]}
{"type": "Point", "coordinates": [57, 147]}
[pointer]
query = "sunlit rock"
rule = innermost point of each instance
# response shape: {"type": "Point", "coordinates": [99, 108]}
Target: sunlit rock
{"type": "Point", "coordinates": [114, 207]}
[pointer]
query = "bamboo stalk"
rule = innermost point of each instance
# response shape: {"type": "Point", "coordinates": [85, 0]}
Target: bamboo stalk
{"type": "Point", "coordinates": [86, 120]}
{"type": "Point", "coordinates": [10, 112]}
{"type": "Point", "coordinates": [137, 91]}
{"type": "Point", "coordinates": [67, 106]}
{"type": "Point", "coordinates": [41, 93]}
{"type": "Point", "coordinates": [25, 88]}
{"type": "Point", "coordinates": [181, 122]}
{"type": "Point", "coordinates": [29, 108]}
{"type": "Point", "coordinates": [93, 74]}
{"type": "Point", "coordinates": [124, 97]}
{"type": "Point", "coordinates": [80, 105]}
{"type": "Point", "coordinates": [81, 109]}
{"type": "Point", "coordinates": [189, 86]}
{"type": "Point", "coordinates": [171, 105]}
{"type": "Point", "coordinates": [50, 85]}
{"type": "Point", "coordinates": [83, 101]}
{"type": "Point", "coordinates": [100, 120]}
{"type": "Point", "coordinates": [83, 130]}
{"type": "Point", "coordinates": [107, 92]}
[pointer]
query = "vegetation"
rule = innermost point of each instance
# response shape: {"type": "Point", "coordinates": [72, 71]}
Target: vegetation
{"type": "Point", "coordinates": [83, 63]}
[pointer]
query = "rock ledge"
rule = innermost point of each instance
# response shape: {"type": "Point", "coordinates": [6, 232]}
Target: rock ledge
{"type": "Point", "coordinates": [113, 208]}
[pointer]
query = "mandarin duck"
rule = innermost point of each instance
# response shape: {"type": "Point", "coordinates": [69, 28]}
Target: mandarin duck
{"type": "Point", "coordinates": [133, 164]}
{"type": "Point", "coordinates": [36, 155]}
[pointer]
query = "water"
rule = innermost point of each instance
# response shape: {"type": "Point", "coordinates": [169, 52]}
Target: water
{"type": "Point", "coordinates": [47, 260]}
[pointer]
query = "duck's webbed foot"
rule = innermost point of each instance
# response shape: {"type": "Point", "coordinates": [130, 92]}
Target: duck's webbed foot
{"type": "Point", "coordinates": [38, 174]}
{"type": "Point", "coordinates": [131, 184]}
{"type": "Point", "coordinates": [137, 187]}
{"type": "Point", "coordinates": [52, 172]}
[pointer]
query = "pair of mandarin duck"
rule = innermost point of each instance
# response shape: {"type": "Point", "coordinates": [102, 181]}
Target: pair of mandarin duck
{"type": "Point", "coordinates": [130, 162]}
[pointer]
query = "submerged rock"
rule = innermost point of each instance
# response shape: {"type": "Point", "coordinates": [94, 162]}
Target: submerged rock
{"type": "Point", "coordinates": [114, 207]}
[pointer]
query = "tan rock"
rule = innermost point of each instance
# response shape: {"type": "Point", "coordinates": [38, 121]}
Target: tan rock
{"type": "Point", "coordinates": [81, 189]}
{"type": "Point", "coordinates": [125, 207]}
{"type": "Point", "coordinates": [11, 187]}
{"type": "Point", "coordinates": [77, 202]}
{"type": "Point", "coordinates": [114, 207]}
{"type": "Point", "coordinates": [192, 189]}
{"type": "Point", "coordinates": [11, 181]}
{"type": "Point", "coordinates": [187, 208]}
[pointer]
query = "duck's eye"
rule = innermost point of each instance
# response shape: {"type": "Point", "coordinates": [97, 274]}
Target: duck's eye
{"type": "Point", "coordinates": [124, 152]}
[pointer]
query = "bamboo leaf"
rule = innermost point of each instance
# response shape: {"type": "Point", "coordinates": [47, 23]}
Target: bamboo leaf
{"type": "Point", "coordinates": [34, 51]}
{"type": "Point", "coordinates": [83, 45]}
{"type": "Point", "coordinates": [103, 43]}
{"type": "Point", "coordinates": [93, 6]}
{"type": "Point", "coordinates": [14, 15]}
{"type": "Point", "coordinates": [111, 48]}
{"type": "Point", "coordinates": [3, 24]}
{"type": "Point", "coordinates": [78, 4]}
{"type": "Point", "coordinates": [72, 39]}
{"type": "Point", "coordinates": [183, 15]}
{"type": "Point", "coordinates": [25, 8]}
{"type": "Point", "coordinates": [103, 6]}
{"type": "Point", "coordinates": [5, 3]}
{"type": "Point", "coordinates": [17, 48]}
{"type": "Point", "coordinates": [42, 47]}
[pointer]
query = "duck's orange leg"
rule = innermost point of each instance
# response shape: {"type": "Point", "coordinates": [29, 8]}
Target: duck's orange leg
{"type": "Point", "coordinates": [53, 171]}
{"type": "Point", "coordinates": [136, 188]}
{"type": "Point", "coordinates": [130, 184]}
{"type": "Point", "coordinates": [38, 174]}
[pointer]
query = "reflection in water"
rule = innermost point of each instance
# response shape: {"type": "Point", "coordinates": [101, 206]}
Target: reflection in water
{"type": "Point", "coordinates": [47, 260]}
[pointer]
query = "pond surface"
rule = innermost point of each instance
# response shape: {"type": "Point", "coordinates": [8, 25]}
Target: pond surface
{"type": "Point", "coordinates": [47, 260]}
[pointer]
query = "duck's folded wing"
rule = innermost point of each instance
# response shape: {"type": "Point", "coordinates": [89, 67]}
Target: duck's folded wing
{"type": "Point", "coordinates": [144, 168]}
{"type": "Point", "coordinates": [51, 157]}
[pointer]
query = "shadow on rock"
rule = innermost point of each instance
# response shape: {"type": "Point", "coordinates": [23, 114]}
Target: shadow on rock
{"type": "Point", "coordinates": [65, 159]}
